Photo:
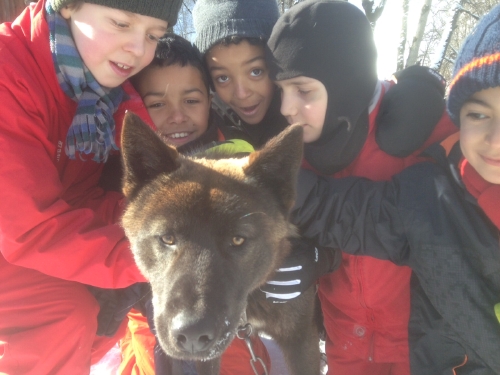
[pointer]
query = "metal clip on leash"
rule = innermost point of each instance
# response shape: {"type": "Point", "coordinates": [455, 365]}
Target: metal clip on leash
{"type": "Point", "coordinates": [244, 333]}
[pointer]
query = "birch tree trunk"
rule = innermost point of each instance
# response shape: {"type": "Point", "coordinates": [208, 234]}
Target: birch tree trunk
{"type": "Point", "coordinates": [419, 33]}
{"type": "Point", "coordinates": [404, 36]}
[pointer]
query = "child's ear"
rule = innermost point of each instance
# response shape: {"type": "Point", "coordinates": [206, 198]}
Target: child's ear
{"type": "Point", "coordinates": [66, 12]}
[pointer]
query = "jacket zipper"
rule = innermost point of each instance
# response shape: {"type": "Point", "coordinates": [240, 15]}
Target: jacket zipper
{"type": "Point", "coordinates": [460, 365]}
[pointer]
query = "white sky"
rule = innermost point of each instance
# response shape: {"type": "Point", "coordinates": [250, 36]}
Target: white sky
{"type": "Point", "coordinates": [387, 32]}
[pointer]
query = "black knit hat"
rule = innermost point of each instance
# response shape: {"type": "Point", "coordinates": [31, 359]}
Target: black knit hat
{"type": "Point", "coordinates": [166, 10]}
{"type": "Point", "coordinates": [330, 41]}
{"type": "Point", "coordinates": [477, 66]}
{"type": "Point", "coordinates": [215, 20]}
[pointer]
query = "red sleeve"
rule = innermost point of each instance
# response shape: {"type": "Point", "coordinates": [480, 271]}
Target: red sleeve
{"type": "Point", "coordinates": [443, 129]}
{"type": "Point", "coordinates": [53, 217]}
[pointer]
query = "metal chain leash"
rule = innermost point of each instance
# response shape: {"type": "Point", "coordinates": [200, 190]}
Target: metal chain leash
{"type": "Point", "coordinates": [244, 333]}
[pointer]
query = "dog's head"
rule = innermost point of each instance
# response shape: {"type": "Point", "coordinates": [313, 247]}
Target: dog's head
{"type": "Point", "coordinates": [206, 232]}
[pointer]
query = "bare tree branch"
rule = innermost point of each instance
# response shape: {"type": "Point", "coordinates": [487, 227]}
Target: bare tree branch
{"type": "Point", "coordinates": [373, 14]}
{"type": "Point", "coordinates": [189, 10]}
{"type": "Point", "coordinates": [470, 14]}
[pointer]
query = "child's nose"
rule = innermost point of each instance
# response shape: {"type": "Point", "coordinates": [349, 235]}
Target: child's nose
{"type": "Point", "coordinates": [494, 134]}
{"type": "Point", "coordinates": [241, 91]}
{"type": "Point", "coordinates": [136, 44]}
{"type": "Point", "coordinates": [176, 116]}
{"type": "Point", "coordinates": [287, 107]}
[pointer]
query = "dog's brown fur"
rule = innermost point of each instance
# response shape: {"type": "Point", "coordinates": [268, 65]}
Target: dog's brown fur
{"type": "Point", "coordinates": [207, 233]}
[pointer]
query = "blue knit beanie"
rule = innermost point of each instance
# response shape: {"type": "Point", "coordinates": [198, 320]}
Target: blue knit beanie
{"type": "Point", "coordinates": [215, 20]}
{"type": "Point", "coordinates": [477, 66]}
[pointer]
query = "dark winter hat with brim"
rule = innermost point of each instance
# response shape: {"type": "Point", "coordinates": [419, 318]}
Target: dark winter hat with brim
{"type": "Point", "coordinates": [166, 10]}
{"type": "Point", "coordinates": [332, 42]}
{"type": "Point", "coordinates": [477, 66]}
{"type": "Point", "coordinates": [215, 20]}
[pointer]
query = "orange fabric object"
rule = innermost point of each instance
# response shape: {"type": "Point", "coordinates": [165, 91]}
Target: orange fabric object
{"type": "Point", "coordinates": [137, 347]}
{"type": "Point", "coordinates": [138, 358]}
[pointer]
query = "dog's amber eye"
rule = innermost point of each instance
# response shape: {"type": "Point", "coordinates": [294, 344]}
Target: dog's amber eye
{"type": "Point", "coordinates": [168, 239]}
{"type": "Point", "coordinates": [238, 241]}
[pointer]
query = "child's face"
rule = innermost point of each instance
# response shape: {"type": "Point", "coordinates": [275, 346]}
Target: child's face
{"type": "Point", "coordinates": [304, 101]}
{"type": "Point", "coordinates": [240, 76]}
{"type": "Point", "coordinates": [177, 101]}
{"type": "Point", "coordinates": [480, 133]}
{"type": "Point", "coordinates": [113, 44]}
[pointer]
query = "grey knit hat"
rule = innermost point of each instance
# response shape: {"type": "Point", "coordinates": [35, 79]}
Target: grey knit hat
{"type": "Point", "coordinates": [477, 66]}
{"type": "Point", "coordinates": [215, 20]}
{"type": "Point", "coordinates": [166, 10]}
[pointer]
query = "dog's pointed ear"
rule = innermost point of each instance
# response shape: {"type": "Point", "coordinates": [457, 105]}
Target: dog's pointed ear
{"type": "Point", "coordinates": [144, 155]}
{"type": "Point", "coordinates": [276, 165]}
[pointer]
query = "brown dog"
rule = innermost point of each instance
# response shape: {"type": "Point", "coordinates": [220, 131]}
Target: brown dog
{"type": "Point", "coordinates": [207, 232]}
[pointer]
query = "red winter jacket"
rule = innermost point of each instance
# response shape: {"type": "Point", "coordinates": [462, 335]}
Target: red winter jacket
{"type": "Point", "coordinates": [53, 217]}
{"type": "Point", "coordinates": [366, 301]}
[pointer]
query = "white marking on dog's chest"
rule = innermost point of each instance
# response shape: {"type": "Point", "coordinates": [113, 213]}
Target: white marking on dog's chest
{"type": "Point", "coordinates": [257, 324]}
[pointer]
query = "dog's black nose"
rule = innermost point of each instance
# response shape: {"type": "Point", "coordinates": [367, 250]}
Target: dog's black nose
{"type": "Point", "coordinates": [193, 336]}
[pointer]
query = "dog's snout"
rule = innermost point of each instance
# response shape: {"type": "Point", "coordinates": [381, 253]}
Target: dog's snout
{"type": "Point", "coordinates": [193, 336]}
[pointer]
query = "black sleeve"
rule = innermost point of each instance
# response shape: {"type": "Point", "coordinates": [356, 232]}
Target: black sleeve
{"type": "Point", "coordinates": [356, 215]}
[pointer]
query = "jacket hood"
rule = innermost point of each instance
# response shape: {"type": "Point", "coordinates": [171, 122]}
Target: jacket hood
{"type": "Point", "coordinates": [330, 41]}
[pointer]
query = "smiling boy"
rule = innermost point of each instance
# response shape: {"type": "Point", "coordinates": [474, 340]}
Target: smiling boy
{"type": "Point", "coordinates": [480, 133]}
{"type": "Point", "coordinates": [180, 108]}
{"type": "Point", "coordinates": [61, 68]}
{"type": "Point", "coordinates": [175, 91]}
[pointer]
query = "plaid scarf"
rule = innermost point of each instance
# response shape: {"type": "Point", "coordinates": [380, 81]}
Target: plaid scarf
{"type": "Point", "coordinates": [92, 130]}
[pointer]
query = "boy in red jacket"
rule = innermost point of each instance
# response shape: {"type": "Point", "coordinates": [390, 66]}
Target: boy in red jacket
{"type": "Point", "coordinates": [61, 67]}
{"type": "Point", "coordinates": [322, 56]}
{"type": "Point", "coordinates": [440, 218]}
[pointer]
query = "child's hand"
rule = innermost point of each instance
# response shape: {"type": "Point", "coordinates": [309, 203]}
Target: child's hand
{"type": "Point", "coordinates": [303, 266]}
{"type": "Point", "coordinates": [115, 305]}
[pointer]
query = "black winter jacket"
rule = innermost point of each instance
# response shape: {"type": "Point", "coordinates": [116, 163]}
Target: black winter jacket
{"type": "Point", "coordinates": [425, 219]}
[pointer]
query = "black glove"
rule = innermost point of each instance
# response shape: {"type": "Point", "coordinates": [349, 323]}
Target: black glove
{"type": "Point", "coordinates": [410, 110]}
{"type": "Point", "coordinates": [112, 174]}
{"type": "Point", "coordinates": [115, 305]}
{"type": "Point", "coordinates": [303, 266]}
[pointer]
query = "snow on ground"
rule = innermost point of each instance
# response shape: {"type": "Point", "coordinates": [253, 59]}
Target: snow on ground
{"type": "Point", "coordinates": [109, 364]}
